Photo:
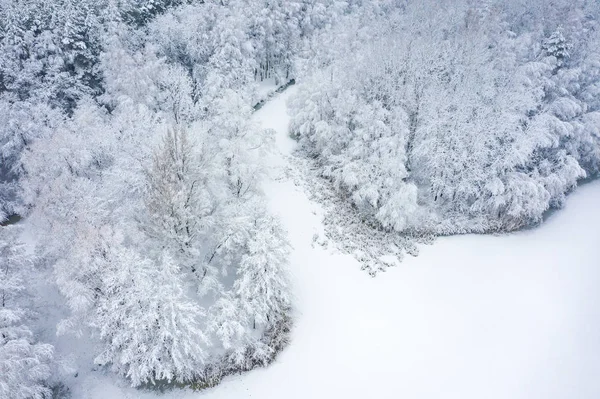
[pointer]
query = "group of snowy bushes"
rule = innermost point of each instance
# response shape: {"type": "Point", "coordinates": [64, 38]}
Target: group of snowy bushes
{"type": "Point", "coordinates": [126, 141]}
{"type": "Point", "coordinates": [452, 117]}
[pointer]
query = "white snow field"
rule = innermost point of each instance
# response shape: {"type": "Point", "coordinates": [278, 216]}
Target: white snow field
{"type": "Point", "coordinates": [513, 316]}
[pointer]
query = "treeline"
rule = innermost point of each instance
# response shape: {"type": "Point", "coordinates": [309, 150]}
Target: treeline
{"type": "Point", "coordinates": [455, 116]}
{"type": "Point", "coordinates": [126, 140]}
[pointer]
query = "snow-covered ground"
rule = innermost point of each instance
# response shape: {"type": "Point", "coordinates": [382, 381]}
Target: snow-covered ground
{"type": "Point", "coordinates": [515, 316]}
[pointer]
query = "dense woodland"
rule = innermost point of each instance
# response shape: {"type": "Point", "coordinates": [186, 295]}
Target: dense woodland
{"type": "Point", "coordinates": [126, 139]}
{"type": "Point", "coordinates": [452, 117]}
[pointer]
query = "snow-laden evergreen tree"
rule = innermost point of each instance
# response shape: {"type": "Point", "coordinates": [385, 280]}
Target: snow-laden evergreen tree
{"type": "Point", "coordinates": [252, 321]}
{"type": "Point", "coordinates": [230, 325]}
{"type": "Point", "coordinates": [262, 282]}
{"type": "Point", "coordinates": [557, 46]}
{"type": "Point", "coordinates": [22, 123]}
{"type": "Point", "coordinates": [25, 364]}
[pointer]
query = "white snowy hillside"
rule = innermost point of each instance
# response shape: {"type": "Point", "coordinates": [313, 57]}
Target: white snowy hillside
{"type": "Point", "coordinates": [513, 316]}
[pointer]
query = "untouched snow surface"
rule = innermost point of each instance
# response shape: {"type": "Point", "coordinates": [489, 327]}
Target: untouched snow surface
{"type": "Point", "coordinates": [515, 316]}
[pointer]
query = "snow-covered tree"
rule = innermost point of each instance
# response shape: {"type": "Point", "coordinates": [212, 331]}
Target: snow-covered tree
{"type": "Point", "coordinates": [252, 321]}
{"type": "Point", "coordinates": [230, 325]}
{"type": "Point", "coordinates": [262, 281]}
{"type": "Point", "coordinates": [150, 327]}
{"type": "Point", "coordinates": [179, 201]}
{"type": "Point", "coordinates": [25, 365]}
{"type": "Point", "coordinates": [557, 46]}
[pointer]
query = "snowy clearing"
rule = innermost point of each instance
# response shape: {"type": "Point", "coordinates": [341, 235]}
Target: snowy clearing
{"type": "Point", "coordinates": [515, 316]}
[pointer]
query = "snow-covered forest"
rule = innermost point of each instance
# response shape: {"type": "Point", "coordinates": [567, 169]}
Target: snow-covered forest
{"type": "Point", "coordinates": [453, 117]}
{"type": "Point", "coordinates": [155, 245]}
